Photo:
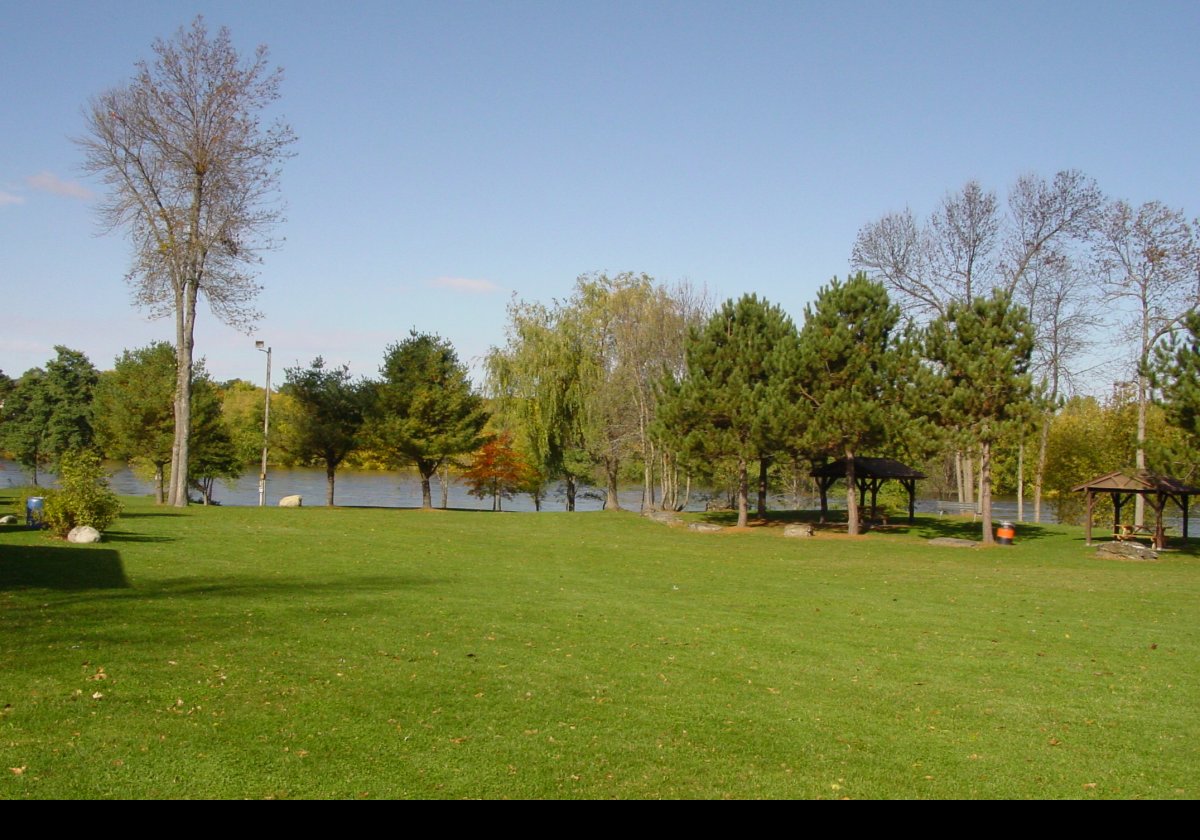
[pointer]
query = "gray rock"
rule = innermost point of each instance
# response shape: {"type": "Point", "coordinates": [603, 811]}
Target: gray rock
{"type": "Point", "coordinates": [706, 527]}
{"type": "Point", "coordinates": [8, 520]}
{"type": "Point", "coordinates": [1126, 551]}
{"type": "Point", "coordinates": [83, 534]}
{"type": "Point", "coordinates": [666, 517]}
{"type": "Point", "coordinates": [799, 531]}
{"type": "Point", "coordinates": [291, 501]}
{"type": "Point", "coordinates": [953, 542]}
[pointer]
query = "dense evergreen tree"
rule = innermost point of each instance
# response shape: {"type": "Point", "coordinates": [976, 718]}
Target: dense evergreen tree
{"type": "Point", "coordinates": [851, 368]}
{"type": "Point", "coordinates": [327, 414]}
{"type": "Point", "coordinates": [981, 352]}
{"type": "Point", "coordinates": [424, 409]}
{"type": "Point", "coordinates": [737, 399]}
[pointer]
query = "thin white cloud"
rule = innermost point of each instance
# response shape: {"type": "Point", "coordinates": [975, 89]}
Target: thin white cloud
{"type": "Point", "coordinates": [51, 183]}
{"type": "Point", "coordinates": [466, 284]}
{"type": "Point", "coordinates": [10, 198]}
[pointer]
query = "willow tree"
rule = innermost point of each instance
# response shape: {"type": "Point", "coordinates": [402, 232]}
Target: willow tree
{"type": "Point", "coordinates": [579, 379]}
{"type": "Point", "coordinates": [192, 175]}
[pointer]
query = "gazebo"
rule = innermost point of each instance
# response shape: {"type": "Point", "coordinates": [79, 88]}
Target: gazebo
{"type": "Point", "coordinates": [869, 476]}
{"type": "Point", "coordinates": [1123, 486]}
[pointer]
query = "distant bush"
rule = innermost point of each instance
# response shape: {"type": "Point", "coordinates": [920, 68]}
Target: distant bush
{"type": "Point", "coordinates": [83, 496]}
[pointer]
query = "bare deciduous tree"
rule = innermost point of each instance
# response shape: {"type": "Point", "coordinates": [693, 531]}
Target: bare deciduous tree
{"type": "Point", "coordinates": [193, 178]}
{"type": "Point", "coordinates": [968, 248]}
{"type": "Point", "coordinates": [1149, 260]}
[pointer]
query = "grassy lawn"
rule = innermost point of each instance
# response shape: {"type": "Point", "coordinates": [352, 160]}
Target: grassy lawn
{"type": "Point", "coordinates": [239, 652]}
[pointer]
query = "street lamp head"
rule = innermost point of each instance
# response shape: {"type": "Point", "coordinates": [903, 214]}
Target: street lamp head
{"type": "Point", "coordinates": [259, 345]}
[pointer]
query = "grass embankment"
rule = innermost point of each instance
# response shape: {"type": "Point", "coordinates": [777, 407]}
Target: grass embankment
{"type": "Point", "coordinates": [239, 652]}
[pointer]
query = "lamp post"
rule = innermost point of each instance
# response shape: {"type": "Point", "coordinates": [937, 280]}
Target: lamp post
{"type": "Point", "coordinates": [262, 474]}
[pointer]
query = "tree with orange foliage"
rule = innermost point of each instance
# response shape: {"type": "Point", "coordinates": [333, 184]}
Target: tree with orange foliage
{"type": "Point", "coordinates": [497, 471]}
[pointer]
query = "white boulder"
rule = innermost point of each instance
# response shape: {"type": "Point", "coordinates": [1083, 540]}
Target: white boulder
{"type": "Point", "coordinates": [83, 534]}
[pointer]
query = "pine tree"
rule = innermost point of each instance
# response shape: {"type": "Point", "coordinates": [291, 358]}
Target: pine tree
{"type": "Point", "coordinates": [982, 352]}
{"type": "Point", "coordinates": [737, 399]}
{"type": "Point", "coordinates": [851, 365]}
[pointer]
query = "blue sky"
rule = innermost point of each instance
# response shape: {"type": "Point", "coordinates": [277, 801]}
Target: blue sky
{"type": "Point", "coordinates": [451, 154]}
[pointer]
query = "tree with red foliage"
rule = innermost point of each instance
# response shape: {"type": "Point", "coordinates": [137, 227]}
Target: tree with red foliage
{"type": "Point", "coordinates": [497, 471]}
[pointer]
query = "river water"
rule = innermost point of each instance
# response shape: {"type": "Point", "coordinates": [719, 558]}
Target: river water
{"type": "Point", "coordinates": [374, 488]}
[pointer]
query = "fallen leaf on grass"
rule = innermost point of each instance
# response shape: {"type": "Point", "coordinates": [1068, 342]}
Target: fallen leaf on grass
{"type": "Point", "coordinates": [18, 771]}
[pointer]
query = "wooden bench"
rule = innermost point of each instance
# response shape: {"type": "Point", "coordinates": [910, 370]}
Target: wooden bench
{"type": "Point", "coordinates": [959, 509]}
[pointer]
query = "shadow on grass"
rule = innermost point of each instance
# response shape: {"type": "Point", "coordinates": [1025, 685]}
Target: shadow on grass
{"type": "Point", "coordinates": [60, 567]}
{"type": "Point", "coordinates": [129, 536]}
{"type": "Point", "coordinates": [148, 514]}
{"type": "Point", "coordinates": [924, 527]}
{"type": "Point", "coordinates": [240, 586]}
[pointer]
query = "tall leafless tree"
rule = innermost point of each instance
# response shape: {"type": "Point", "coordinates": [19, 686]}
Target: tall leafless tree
{"type": "Point", "coordinates": [969, 247]}
{"type": "Point", "coordinates": [1151, 267]}
{"type": "Point", "coordinates": [193, 177]}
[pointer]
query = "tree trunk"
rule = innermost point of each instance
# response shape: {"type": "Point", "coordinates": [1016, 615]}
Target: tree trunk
{"type": "Point", "coordinates": [612, 468]}
{"type": "Point", "coordinates": [444, 481]}
{"type": "Point", "coordinates": [958, 476]}
{"type": "Point", "coordinates": [1021, 482]}
{"type": "Point", "coordinates": [185, 322]}
{"type": "Point", "coordinates": [763, 465]}
{"type": "Point", "coordinates": [570, 492]}
{"type": "Point", "coordinates": [969, 478]}
{"type": "Point", "coordinates": [1040, 474]}
{"type": "Point", "coordinates": [330, 474]}
{"type": "Point", "coordinates": [426, 493]}
{"type": "Point", "coordinates": [158, 483]}
{"type": "Point", "coordinates": [1139, 509]}
{"type": "Point", "coordinates": [985, 492]}
{"type": "Point", "coordinates": [852, 512]}
{"type": "Point", "coordinates": [743, 494]}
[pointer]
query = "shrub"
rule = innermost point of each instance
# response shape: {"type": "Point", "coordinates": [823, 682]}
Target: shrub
{"type": "Point", "coordinates": [83, 496]}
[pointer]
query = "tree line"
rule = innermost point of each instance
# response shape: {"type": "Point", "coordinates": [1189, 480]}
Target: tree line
{"type": "Point", "coordinates": [629, 374]}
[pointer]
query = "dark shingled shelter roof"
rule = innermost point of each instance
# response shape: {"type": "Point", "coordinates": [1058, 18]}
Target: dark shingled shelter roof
{"type": "Point", "coordinates": [868, 468]}
{"type": "Point", "coordinates": [869, 474]}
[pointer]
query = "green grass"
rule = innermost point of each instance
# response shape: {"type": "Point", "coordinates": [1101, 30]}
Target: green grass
{"type": "Point", "coordinates": [239, 652]}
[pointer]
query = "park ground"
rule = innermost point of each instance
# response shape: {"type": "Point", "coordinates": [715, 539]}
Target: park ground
{"type": "Point", "coordinates": [368, 653]}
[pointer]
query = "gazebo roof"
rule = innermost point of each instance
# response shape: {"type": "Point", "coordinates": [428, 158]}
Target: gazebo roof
{"type": "Point", "coordinates": [1136, 481]}
{"type": "Point", "coordinates": [867, 468]}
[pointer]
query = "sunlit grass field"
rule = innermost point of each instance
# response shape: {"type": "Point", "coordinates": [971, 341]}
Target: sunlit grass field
{"type": "Point", "coordinates": [367, 653]}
